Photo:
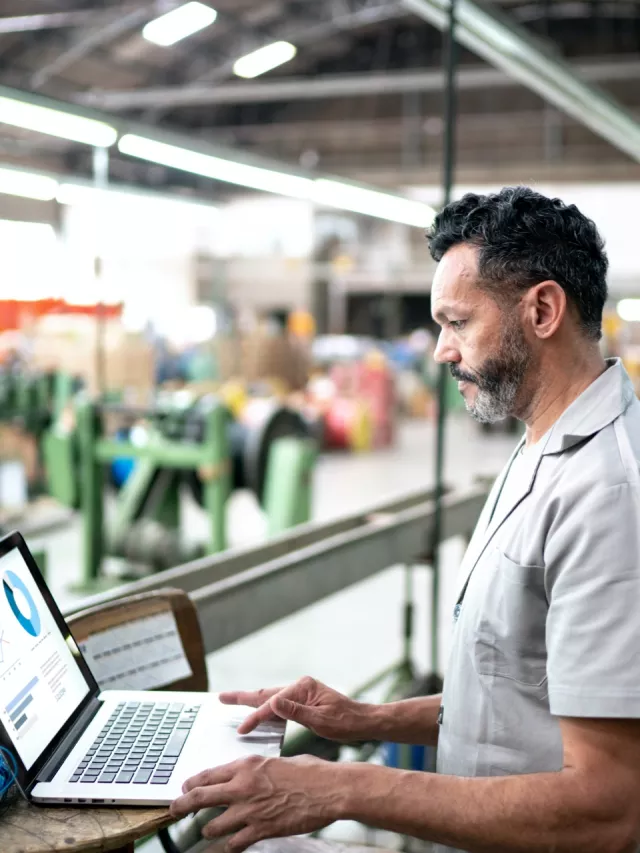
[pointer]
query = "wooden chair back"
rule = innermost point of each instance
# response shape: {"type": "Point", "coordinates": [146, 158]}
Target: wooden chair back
{"type": "Point", "coordinates": [103, 617]}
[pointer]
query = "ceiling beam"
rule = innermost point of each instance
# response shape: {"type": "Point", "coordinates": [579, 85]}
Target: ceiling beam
{"type": "Point", "coordinates": [576, 9]}
{"type": "Point", "coordinates": [336, 86]}
{"type": "Point", "coordinates": [97, 36]}
{"type": "Point", "coordinates": [510, 47]}
{"type": "Point", "coordinates": [62, 20]}
{"type": "Point", "coordinates": [329, 20]}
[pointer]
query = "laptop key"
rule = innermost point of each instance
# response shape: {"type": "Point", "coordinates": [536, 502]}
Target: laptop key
{"type": "Point", "coordinates": [124, 776]}
{"type": "Point", "coordinates": [142, 776]}
{"type": "Point", "coordinates": [107, 777]}
{"type": "Point", "coordinates": [159, 780]}
{"type": "Point", "coordinates": [75, 777]}
{"type": "Point", "coordinates": [175, 745]}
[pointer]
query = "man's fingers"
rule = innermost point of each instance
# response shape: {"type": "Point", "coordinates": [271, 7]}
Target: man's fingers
{"type": "Point", "coordinates": [201, 798]}
{"type": "Point", "coordinates": [253, 720]}
{"type": "Point", "coordinates": [286, 709]}
{"type": "Point", "coordinates": [243, 839]}
{"type": "Point", "coordinates": [229, 821]}
{"type": "Point", "coordinates": [213, 776]}
{"type": "Point", "coordinates": [250, 698]}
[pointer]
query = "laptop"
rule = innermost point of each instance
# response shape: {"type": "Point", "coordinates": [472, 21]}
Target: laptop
{"type": "Point", "coordinates": [74, 743]}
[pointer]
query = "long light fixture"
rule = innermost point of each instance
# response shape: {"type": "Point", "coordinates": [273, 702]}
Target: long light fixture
{"type": "Point", "coordinates": [210, 161]}
{"type": "Point", "coordinates": [509, 46]}
{"type": "Point", "coordinates": [219, 169]}
{"type": "Point", "coordinates": [61, 123]}
{"type": "Point", "coordinates": [179, 23]}
{"type": "Point", "coordinates": [27, 184]}
{"type": "Point", "coordinates": [372, 203]}
{"type": "Point", "coordinates": [264, 59]}
{"type": "Point", "coordinates": [84, 194]}
{"type": "Point", "coordinates": [323, 191]}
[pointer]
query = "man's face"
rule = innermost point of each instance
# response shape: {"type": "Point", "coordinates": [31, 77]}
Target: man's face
{"type": "Point", "coordinates": [484, 344]}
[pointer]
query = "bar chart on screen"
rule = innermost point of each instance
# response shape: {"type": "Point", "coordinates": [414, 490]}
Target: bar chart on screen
{"type": "Point", "coordinates": [20, 709]}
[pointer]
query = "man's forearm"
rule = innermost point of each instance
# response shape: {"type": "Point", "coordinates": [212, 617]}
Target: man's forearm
{"type": "Point", "coordinates": [534, 813]}
{"type": "Point", "coordinates": [408, 721]}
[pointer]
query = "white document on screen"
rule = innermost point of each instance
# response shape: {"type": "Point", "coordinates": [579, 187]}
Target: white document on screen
{"type": "Point", "coordinates": [139, 655]}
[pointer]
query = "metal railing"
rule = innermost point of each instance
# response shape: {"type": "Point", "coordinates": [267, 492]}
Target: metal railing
{"type": "Point", "coordinates": [241, 591]}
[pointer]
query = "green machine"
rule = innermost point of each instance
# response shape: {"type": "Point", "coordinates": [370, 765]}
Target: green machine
{"type": "Point", "coordinates": [199, 448]}
{"type": "Point", "coordinates": [32, 401]}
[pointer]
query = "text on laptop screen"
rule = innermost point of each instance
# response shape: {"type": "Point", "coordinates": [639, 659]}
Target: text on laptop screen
{"type": "Point", "coordinates": [41, 684]}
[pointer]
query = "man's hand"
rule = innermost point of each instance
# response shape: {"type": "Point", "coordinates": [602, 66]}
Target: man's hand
{"type": "Point", "coordinates": [265, 798]}
{"type": "Point", "coordinates": [326, 712]}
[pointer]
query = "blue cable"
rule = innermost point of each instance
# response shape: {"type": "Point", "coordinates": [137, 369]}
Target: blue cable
{"type": "Point", "coordinates": [8, 770]}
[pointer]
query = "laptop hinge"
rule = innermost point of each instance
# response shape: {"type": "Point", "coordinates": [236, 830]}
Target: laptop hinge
{"type": "Point", "coordinates": [69, 741]}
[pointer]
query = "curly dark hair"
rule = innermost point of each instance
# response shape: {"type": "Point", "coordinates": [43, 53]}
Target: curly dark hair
{"type": "Point", "coordinates": [525, 238]}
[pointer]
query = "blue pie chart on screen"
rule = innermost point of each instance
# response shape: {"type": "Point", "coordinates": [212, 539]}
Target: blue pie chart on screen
{"type": "Point", "coordinates": [30, 621]}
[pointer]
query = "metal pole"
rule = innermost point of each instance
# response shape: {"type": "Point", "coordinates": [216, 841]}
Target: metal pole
{"type": "Point", "coordinates": [447, 187]}
{"type": "Point", "coordinates": [100, 182]}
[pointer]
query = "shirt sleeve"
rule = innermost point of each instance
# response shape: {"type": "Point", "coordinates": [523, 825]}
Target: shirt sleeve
{"type": "Point", "coordinates": [592, 575]}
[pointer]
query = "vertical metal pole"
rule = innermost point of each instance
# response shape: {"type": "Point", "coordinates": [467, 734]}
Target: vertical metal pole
{"type": "Point", "coordinates": [443, 378]}
{"type": "Point", "coordinates": [100, 182]}
{"type": "Point", "coordinates": [217, 478]}
{"type": "Point", "coordinates": [89, 427]}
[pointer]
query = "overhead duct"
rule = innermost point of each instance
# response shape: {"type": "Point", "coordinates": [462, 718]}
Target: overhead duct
{"type": "Point", "coordinates": [332, 86]}
{"type": "Point", "coordinates": [510, 47]}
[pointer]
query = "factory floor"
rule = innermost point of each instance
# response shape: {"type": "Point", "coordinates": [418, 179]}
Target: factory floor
{"type": "Point", "coordinates": [349, 637]}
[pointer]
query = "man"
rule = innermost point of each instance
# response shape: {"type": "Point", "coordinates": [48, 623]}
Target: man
{"type": "Point", "coordinates": [537, 729]}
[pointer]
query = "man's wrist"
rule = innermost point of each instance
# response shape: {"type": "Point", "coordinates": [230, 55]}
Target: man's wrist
{"type": "Point", "coordinates": [349, 781]}
{"type": "Point", "coordinates": [363, 791]}
{"type": "Point", "coordinates": [406, 721]}
{"type": "Point", "coordinates": [372, 722]}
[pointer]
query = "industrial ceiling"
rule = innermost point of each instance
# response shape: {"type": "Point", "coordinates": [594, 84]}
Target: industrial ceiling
{"type": "Point", "coordinates": [362, 98]}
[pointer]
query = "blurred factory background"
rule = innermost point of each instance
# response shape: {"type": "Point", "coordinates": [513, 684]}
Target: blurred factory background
{"type": "Point", "coordinates": [215, 310]}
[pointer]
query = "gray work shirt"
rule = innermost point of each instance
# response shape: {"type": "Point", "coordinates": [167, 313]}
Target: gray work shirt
{"type": "Point", "coordinates": [547, 622]}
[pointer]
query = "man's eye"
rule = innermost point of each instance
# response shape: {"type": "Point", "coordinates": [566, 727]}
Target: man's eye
{"type": "Point", "coordinates": [458, 325]}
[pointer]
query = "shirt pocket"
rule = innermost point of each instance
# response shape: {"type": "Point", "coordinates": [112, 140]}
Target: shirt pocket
{"type": "Point", "coordinates": [510, 635]}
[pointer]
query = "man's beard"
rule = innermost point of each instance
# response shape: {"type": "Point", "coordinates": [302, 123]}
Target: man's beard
{"type": "Point", "coordinates": [500, 378]}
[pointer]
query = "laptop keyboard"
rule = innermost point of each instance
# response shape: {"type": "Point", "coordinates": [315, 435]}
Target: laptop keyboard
{"type": "Point", "coordinates": [139, 744]}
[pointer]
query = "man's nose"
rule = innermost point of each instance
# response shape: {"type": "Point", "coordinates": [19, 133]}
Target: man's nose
{"type": "Point", "coordinates": [445, 352]}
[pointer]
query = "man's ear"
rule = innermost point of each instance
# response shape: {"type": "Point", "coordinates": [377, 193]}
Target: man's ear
{"type": "Point", "coordinates": [545, 306]}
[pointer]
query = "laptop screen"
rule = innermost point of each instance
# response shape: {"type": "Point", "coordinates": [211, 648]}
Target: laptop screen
{"type": "Point", "coordinates": [41, 683]}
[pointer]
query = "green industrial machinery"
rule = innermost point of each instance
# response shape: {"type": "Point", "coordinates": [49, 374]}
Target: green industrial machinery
{"type": "Point", "coordinates": [199, 448]}
{"type": "Point", "coordinates": [31, 401]}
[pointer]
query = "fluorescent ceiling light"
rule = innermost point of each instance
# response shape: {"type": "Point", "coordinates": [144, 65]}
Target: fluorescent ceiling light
{"type": "Point", "coordinates": [629, 310]}
{"type": "Point", "coordinates": [255, 177]}
{"type": "Point", "coordinates": [372, 203]}
{"type": "Point", "coordinates": [27, 185]}
{"type": "Point", "coordinates": [56, 123]}
{"type": "Point", "coordinates": [321, 190]}
{"type": "Point", "coordinates": [264, 59]}
{"type": "Point", "coordinates": [179, 23]}
{"type": "Point", "coordinates": [77, 194]}
{"type": "Point", "coordinates": [84, 194]}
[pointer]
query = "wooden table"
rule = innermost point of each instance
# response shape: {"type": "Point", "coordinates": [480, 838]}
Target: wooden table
{"type": "Point", "coordinates": [35, 829]}
{"type": "Point", "coordinates": [26, 828]}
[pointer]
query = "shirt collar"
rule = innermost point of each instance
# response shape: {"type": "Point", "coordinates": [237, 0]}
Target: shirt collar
{"type": "Point", "coordinates": [601, 403]}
